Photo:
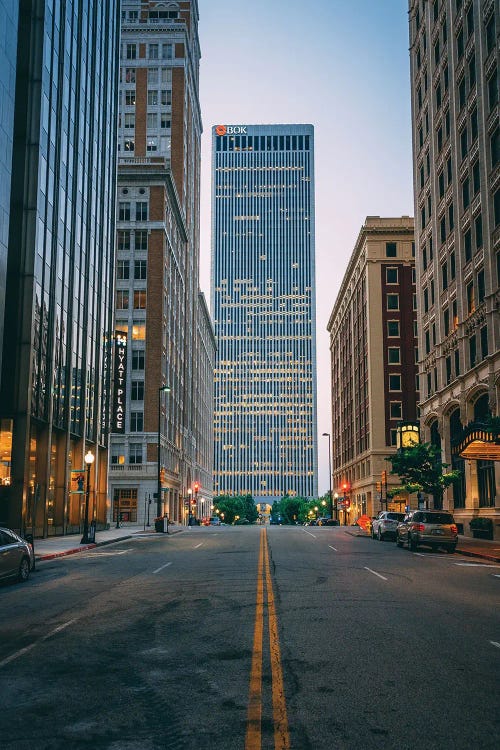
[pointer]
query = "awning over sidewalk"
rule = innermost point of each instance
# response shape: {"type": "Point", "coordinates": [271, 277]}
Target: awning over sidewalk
{"type": "Point", "coordinates": [478, 450]}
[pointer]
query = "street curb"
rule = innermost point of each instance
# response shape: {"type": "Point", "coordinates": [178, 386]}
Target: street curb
{"type": "Point", "coordinates": [469, 553]}
{"type": "Point", "coordinates": [84, 548]}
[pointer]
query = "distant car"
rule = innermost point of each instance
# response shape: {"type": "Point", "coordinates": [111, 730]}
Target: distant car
{"type": "Point", "coordinates": [386, 524]}
{"type": "Point", "coordinates": [16, 556]}
{"type": "Point", "coordinates": [327, 522]}
{"type": "Point", "coordinates": [433, 528]}
{"type": "Point", "coordinates": [241, 521]}
{"type": "Point", "coordinates": [215, 521]}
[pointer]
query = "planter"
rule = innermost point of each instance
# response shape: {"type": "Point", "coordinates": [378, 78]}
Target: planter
{"type": "Point", "coordinates": [482, 528]}
{"type": "Point", "coordinates": [159, 525]}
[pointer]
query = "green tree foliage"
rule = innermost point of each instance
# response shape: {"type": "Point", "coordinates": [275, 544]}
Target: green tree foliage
{"type": "Point", "coordinates": [236, 505]}
{"type": "Point", "coordinates": [291, 510]}
{"type": "Point", "coordinates": [421, 470]}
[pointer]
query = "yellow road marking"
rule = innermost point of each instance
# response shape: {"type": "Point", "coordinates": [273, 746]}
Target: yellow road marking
{"type": "Point", "coordinates": [253, 734]}
{"type": "Point", "coordinates": [253, 739]}
{"type": "Point", "coordinates": [281, 733]}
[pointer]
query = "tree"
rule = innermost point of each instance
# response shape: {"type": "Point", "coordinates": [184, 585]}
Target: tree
{"type": "Point", "coordinates": [421, 470]}
{"type": "Point", "coordinates": [230, 506]}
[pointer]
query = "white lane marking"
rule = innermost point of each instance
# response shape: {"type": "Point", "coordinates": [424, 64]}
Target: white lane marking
{"type": "Point", "coordinates": [16, 654]}
{"type": "Point", "coordinates": [333, 548]}
{"type": "Point", "coordinates": [477, 565]}
{"type": "Point", "coordinates": [59, 628]}
{"type": "Point", "coordinates": [198, 545]}
{"type": "Point", "coordinates": [494, 643]}
{"type": "Point", "coordinates": [26, 649]}
{"type": "Point", "coordinates": [163, 566]}
{"type": "Point", "coordinates": [308, 532]}
{"type": "Point", "coordinates": [376, 574]}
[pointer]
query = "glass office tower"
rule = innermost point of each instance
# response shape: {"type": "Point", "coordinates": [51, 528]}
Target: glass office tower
{"type": "Point", "coordinates": [55, 371]}
{"type": "Point", "coordinates": [263, 300]}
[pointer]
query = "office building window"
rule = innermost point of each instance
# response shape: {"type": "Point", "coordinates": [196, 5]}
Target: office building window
{"type": "Point", "coordinates": [139, 299]}
{"type": "Point", "coordinates": [472, 351]}
{"type": "Point", "coordinates": [129, 75]}
{"type": "Point", "coordinates": [496, 207]}
{"type": "Point", "coordinates": [393, 328]}
{"type": "Point", "coordinates": [446, 321]}
{"type": "Point", "coordinates": [441, 183]}
{"type": "Point", "coordinates": [129, 144]}
{"type": "Point", "coordinates": [444, 276]}
{"type": "Point", "coordinates": [391, 250]}
{"type": "Point", "coordinates": [491, 34]}
{"type": "Point", "coordinates": [465, 193]}
{"type": "Point", "coordinates": [461, 93]}
{"type": "Point", "coordinates": [122, 299]}
{"type": "Point", "coordinates": [453, 267]}
{"type": "Point", "coordinates": [131, 51]}
{"type": "Point", "coordinates": [129, 121]}
{"type": "Point", "coordinates": [473, 124]}
{"type": "Point", "coordinates": [117, 455]}
{"type": "Point", "coordinates": [463, 143]}
{"type": "Point", "coordinates": [394, 355]}
{"type": "Point", "coordinates": [460, 44]}
{"type": "Point", "coordinates": [152, 144]}
{"type": "Point", "coordinates": [495, 147]}
{"type": "Point", "coordinates": [426, 300]}
{"type": "Point", "coordinates": [152, 120]}
{"type": "Point", "coordinates": [136, 421]}
{"type": "Point", "coordinates": [153, 52]}
{"type": "Point", "coordinates": [442, 229]}
{"type": "Point", "coordinates": [141, 239]}
{"type": "Point", "coordinates": [393, 301]}
{"type": "Point", "coordinates": [394, 382]}
{"type": "Point", "coordinates": [483, 335]}
{"type": "Point", "coordinates": [448, 369]}
{"type": "Point", "coordinates": [480, 286]}
{"type": "Point", "coordinates": [493, 90]}
{"type": "Point", "coordinates": [471, 300]}
{"type": "Point", "coordinates": [391, 275]}
{"type": "Point", "coordinates": [427, 338]}
{"type": "Point", "coordinates": [123, 239]}
{"type": "Point", "coordinates": [137, 390]}
{"type": "Point", "coordinates": [141, 211]}
{"type": "Point", "coordinates": [140, 269]}
{"type": "Point", "coordinates": [468, 245]}
{"type": "Point", "coordinates": [152, 98]}
{"type": "Point", "coordinates": [130, 98]}
{"type": "Point", "coordinates": [122, 269]}
{"type": "Point", "coordinates": [476, 180]}
{"type": "Point", "coordinates": [138, 359]}
{"type": "Point", "coordinates": [396, 410]}
{"type": "Point", "coordinates": [138, 330]}
{"type": "Point", "coordinates": [478, 225]}
{"type": "Point", "coordinates": [123, 211]}
{"type": "Point", "coordinates": [135, 453]}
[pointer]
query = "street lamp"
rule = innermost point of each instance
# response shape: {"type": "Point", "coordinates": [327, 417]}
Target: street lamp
{"type": "Point", "coordinates": [159, 509]}
{"type": "Point", "coordinates": [327, 434]}
{"type": "Point", "coordinates": [190, 493]}
{"type": "Point", "coordinates": [89, 460]}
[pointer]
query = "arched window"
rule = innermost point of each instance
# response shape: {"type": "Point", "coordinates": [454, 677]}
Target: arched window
{"type": "Point", "coordinates": [435, 436]}
{"type": "Point", "coordinates": [485, 469]}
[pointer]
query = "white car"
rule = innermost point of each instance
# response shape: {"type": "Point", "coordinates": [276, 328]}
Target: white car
{"type": "Point", "coordinates": [385, 524]}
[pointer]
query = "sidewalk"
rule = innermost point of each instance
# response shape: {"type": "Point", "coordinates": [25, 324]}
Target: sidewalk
{"type": "Point", "coordinates": [479, 548]}
{"type": "Point", "coordinates": [60, 546]}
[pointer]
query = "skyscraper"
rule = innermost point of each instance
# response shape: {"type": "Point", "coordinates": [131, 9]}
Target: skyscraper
{"type": "Point", "coordinates": [55, 370]}
{"type": "Point", "coordinates": [160, 444]}
{"type": "Point", "coordinates": [454, 56]}
{"type": "Point", "coordinates": [263, 299]}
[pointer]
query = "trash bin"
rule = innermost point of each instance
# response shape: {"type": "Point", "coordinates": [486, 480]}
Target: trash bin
{"type": "Point", "coordinates": [165, 524]}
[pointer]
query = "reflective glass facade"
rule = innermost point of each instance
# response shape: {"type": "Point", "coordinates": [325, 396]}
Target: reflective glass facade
{"type": "Point", "coordinates": [8, 49]}
{"type": "Point", "coordinates": [263, 298]}
{"type": "Point", "coordinates": [60, 260]}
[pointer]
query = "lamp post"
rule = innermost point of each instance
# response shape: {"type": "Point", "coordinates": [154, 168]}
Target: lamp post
{"type": "Point", "coordinates": [162, 389]}
{"type": "Point", "coordinates": [336, 498]}
{"type": "Point", "coordinates": [327, 434]}
{"type": "Point", "coordinates": [190, 493]}
{"type": "Point", "coordinates": [89, 460]}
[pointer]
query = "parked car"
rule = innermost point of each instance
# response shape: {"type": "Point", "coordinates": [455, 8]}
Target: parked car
{"type": "Point", "coordinates": [433, 528]}
{"type": "Point", "coordinates": [215, 521]}
{"type": "Point", "coordinates": [327, 522]}
{"type": "Point", "coordinates": [16, 556]}
{"type": "Point", "coordinates": [385, 524]}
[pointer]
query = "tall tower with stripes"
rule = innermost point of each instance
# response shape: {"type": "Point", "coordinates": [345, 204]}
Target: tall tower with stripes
{"type": "Point", "coordinates": [263, 306]}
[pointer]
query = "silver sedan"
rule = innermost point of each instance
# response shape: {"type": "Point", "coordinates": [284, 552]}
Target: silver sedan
{"type": "Point", "coordinates": [16, 556]}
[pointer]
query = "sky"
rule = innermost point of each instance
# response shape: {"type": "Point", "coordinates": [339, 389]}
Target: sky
{"type": "Point", "coordinates": [343, 66]}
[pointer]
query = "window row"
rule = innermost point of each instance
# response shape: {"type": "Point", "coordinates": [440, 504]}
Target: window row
{"type": "Point", "coordinates": [123, 296]}
{"type": "Point", "coordinates": [153, 144]}
{"type": "Point", "coordinates": [154, 120]}
{"type": "Point", "coordinates": [392, 302]}
{"type": "Point", "coordinates": [130, 51]}
{"type": "Point", "coordinates": [123, 269]}
{"type": "Point", "coordinates": [125, 211]}
{"type": "Point", "coordinates": [140, 238]}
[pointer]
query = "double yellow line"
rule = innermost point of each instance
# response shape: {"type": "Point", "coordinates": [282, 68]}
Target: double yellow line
{"type": "Point", "coordinates": [253, 739]}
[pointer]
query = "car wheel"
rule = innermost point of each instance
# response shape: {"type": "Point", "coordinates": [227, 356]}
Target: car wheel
{"type": "Point", "coordinates": [380, 536]}
{"type": "Point", "coordinates": [398, 541]}
{"type": "Point", "coordinates": [412, 544]}
{"type": "Point", "coordinates": [24, 569]}
{"type": "Point", "coordinates": [451, 548]}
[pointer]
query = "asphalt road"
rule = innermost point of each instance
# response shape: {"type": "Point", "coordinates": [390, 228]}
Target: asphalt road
{"type": "Point", "coordinates": [239, 637]}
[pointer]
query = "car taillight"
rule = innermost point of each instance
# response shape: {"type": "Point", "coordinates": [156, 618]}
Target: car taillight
{"type": "Point", "coordinates": [454, 528]}
{"type": "Point", "coordinates": [418, 527]}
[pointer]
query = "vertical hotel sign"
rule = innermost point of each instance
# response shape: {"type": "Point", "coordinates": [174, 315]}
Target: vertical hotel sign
{"type": "Point", "coordinates": [119, 391]}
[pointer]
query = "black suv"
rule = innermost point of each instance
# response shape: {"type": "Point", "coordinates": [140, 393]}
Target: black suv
{"type": "Point", "coordinates": [434, 528]}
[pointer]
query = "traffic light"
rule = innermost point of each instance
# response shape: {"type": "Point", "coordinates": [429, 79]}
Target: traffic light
{"type": "Point", "coordinates": [345, 486]}
{"type": "Point", "coordinates": [196, 488]}
{"type": "Point", "coordinates": [379, 486]}
{"type": "Point", "coordinates": [384, 477]}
